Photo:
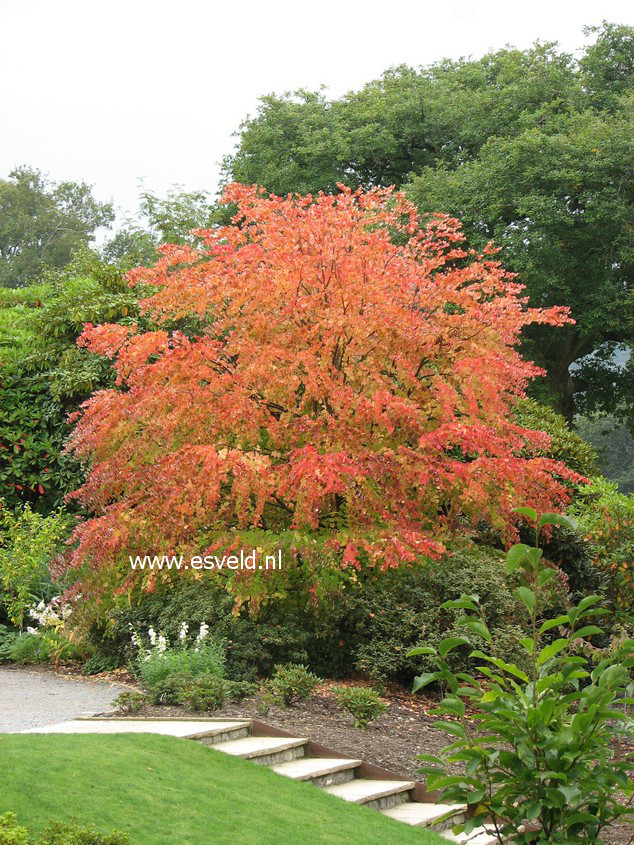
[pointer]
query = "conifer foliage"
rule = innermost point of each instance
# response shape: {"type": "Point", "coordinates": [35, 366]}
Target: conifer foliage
{"type": "Point", "coordinates": [349, 382]}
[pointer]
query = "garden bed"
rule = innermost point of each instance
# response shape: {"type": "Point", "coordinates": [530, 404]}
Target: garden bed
{"type": "Point", "coordinates": [392, 741]}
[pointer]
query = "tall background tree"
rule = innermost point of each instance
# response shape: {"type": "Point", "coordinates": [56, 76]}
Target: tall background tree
{"type": "Point", "coordinates": [168, 219]}
{"type": "Point", "coordinates": [42, 223]}
{"type": "Point", "coordinates": [532, 149]}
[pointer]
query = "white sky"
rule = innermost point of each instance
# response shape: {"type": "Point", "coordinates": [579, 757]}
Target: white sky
{"type": "Point", "coordinates": [111, 91]}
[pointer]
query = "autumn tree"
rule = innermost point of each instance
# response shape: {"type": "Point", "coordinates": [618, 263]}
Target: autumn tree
{"type": "Point", "coordinates": [349, 393]}
{"type": "Point", "coordinates": [530, 148]}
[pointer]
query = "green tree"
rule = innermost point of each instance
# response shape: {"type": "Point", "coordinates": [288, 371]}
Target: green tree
{"type": "Point", "coordinates": [42, 223]}
{"type": "Point", "coordinates": [168, 219]}
{"type": "Point", "coordinates": [615, 447]}
{"type": "Point", "coordinates": [530, 148]}
{"type": "Point", "coordinates": [608, 64]}
{"type": "Point", "coordinates": [559, 199]}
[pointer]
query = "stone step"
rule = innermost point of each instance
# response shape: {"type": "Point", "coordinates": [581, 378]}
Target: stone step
{"type": "Point", "coordinates": [182, 728]}
{"type": "Point", "coordinates": [478, 836]}
{"type": "Point", "coordinates": [425, 814]}
{"type": "Point", "coordinates": [322, 771]}
{"type": "Point", "coordinates": [266, 750]}
{"type": "Point", "coordinates": [216, 735]}
{"type": "Point", "coordinates": [373, 793]}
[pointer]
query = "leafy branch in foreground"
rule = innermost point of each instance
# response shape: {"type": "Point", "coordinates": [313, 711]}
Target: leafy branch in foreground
{"type": "Point", "coordinates": [542, 750]}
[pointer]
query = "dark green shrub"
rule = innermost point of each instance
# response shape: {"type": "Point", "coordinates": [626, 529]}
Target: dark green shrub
{"type": "Point", "coordinates": [170, 690]}
{"type": "Point", "coordinates": [292, 682]}
{"type": "Point", "coordinates": [391, 612]}
{"type": "Point", "coordinates": [100, 662]}
{"type": "Point", "coordinates": [280, 632]}
{"type": "Point", "coordinates": [572, 553]}
{"type": "Point", "coordinates": [130, 702]}
{"type": "Point", "coordinates": [8, 636]}
{"type": "Point", "coordinates": [565, 445]}
{"type": "Point", "coordinates": [363, 703]}
{"type": "Point", "coordinates": [238, 690]}
{"type": "Point", "coordinates": [206, 693]}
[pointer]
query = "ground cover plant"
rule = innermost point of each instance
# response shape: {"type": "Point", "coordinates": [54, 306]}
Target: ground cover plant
{"type": "Point", "coordinates": [544, 749]}
{"type": "Point", "coordinates": [156, 774]}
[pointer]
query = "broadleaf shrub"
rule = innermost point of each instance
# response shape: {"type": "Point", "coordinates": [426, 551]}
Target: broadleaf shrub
{"type": "Point", "coordinates": [11, 833]}
{"type": "Point", "coordinates": [292, 682]}
{"type": "Point", "coordinates": [56, 833]}
{"type": "Point", "coordinates": [606, 516]}
{"type": "Point", "coordinates": [205, 693]}
{"type": "Point", "coordinates": [544, 749]}
{"type": "Point", "coordinates": [28, 542]}
{"type": "Point", "coordinates": [281, 633]}
{"type": "Point", "coordinates": [71, 833]}
{"type": "Point", "coordinates": [171, 689]}
{"type": "Point", "coordinates": [130, 702]}
{"type": "Point", "coordinates": [362, 703]}
{"type": "Point", "coordinates": [239, 690]}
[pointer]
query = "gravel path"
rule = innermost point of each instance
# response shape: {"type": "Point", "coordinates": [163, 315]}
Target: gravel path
{"type": "Point", "coordinates": [30, 698]}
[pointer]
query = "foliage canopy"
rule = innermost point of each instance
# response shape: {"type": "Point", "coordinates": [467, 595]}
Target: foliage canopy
{"type": "Point", "coordinates": [351, 381]}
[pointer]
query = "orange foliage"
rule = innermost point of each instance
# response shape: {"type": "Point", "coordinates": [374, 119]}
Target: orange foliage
{"type": "Point", "coordinates": [352, 381]}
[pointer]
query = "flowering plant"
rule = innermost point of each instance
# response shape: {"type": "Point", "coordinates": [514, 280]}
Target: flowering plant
{"type": "Point", "coordinates": [51, 615]}
{"type": "Point", "coordinates": [157, 660]}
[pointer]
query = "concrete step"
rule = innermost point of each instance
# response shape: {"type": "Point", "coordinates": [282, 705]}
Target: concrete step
{"type": "Point", "coordinates": [478, 836]}
{"type": "Point", "coordinates": [373, 793]}
{"type": "Point", "coordinates": [425, 814]}
{"type": "Point", "coordinates": [322, 771]}
{"type": "Point", "coordinates": [266, 750]}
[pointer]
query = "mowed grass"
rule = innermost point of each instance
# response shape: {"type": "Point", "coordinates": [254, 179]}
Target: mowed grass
{"type": "Point", "coordinates": [166, 791]}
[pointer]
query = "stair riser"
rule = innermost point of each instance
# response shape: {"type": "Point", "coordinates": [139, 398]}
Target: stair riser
{"type": "Point", "coordinates": [333, 778]}
{"type": "Point", "coordinates": [459, 818]}
{"type": "Point", "coordinates": [388, 801]}
{"type": "Point", "coordinates": [239, 733]}
{"type": "Point", "coordinates": [279, 756]}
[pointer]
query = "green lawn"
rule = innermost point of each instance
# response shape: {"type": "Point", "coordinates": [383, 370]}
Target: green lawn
{"type": "Point", "coordinates": [165, 791]}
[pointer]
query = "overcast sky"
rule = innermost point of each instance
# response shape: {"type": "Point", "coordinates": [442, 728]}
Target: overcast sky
{"type": "Point", "coordinates": [111, 91]}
